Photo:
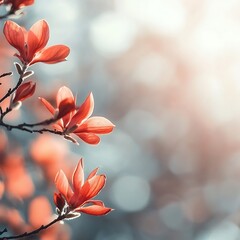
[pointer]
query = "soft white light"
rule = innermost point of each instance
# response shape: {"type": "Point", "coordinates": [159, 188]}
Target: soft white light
{"type": "Point", "coordinates": [112, 33]}
{"type": "Point", "coordinates": [131, 193]}
{"type": "Point", "coordinates": [224, 231]}
{"type": "Point", "coordinates": [46, 9]}
{"type": "Point", "coordinates": [183, 162]}
{"type": "Point", "coordinates": [165, 17]}
{"type": "Point", "coordinates": [154, 70]}
{"type": "Point", "coordinates": [172, 216]}
{"type": "Point", "coordinates": [145, 121]}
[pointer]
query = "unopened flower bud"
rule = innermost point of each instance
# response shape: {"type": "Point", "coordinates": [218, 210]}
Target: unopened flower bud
{"type": "Point", "coordinates": [26, 90]}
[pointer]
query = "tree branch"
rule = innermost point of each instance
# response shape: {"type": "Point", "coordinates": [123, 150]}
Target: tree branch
{"type": "Point", "coordinates": [3, 231]}
{"type": "Point", "coordinates": [12, 90]}
{"type": "Point", "coordinates": [45, 122]}
{"type": "Point", "coordinates": [6, 74]}
{"type": "Point", "coordinates": [24, 127]}
{"type": "Point", "coordinates": [36, 231]}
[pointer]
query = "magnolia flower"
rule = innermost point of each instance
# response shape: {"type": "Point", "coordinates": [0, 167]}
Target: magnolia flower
{"type": "Point", "coordinates": [71, 201]}
{"type": "Point", "coordinates": [31, 44]}
{"type": "Point", "coordinates": [78, 120]}
{"type": "Point", "coordinates": [17, 4]}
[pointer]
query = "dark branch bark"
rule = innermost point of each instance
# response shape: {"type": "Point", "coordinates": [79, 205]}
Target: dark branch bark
{"type": "Point", "coordinates": [36, 231]}
{"type": "Point", "coordinates": [12, 90]}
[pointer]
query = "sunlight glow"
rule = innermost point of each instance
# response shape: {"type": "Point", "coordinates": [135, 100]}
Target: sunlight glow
{"type": "Point", "coordinates": [164, 17]}
{"type": "Point", "coordinates": [131, 193]}
{"type": "Point", "coordinates": [112, 33]}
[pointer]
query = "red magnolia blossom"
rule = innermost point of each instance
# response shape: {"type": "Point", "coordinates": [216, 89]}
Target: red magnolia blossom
{"type": "Point", "coordinates": [26, 90]}
{"type": "Point", "coordinates": [17, 4]}
{"type": "Point", "coordinates": [78, 120]}
{"type": "Point", "coordinates": [31, 44]}
{"type": "Point", "coordinates": [79, 199]}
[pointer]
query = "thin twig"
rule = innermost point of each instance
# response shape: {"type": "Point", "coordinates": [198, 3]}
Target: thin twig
{"type": "Point", "coordinates": [45, 122]}
{"type": "Point", "coordinates": [9, 127]}
{"type": "Point", "coordinates": [12, 90]}
{"type": "Point", "coordinates": [36, 231]}
{"type": "Point", "coordinates": [3, 231]}
{"type": "Point", "coordinates": [6, 74]}
{"type": "Point", "coordinates": [47, 130]}
{"type": "Point", "coordinates": [3, 114]}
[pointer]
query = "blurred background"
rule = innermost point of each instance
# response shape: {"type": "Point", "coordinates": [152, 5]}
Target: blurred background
{"type": "Point", "coordinates": [167, 74]}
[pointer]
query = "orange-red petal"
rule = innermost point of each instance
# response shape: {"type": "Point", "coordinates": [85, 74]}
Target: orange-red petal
{"type": "Point", "coordinates": [50, 55]}
{"type": "Point", "coordinates": [89, 138]}
{"type": "Point", "coordinates": [65, 102]}
{"type": "Point", "coordinates": [26, 3]}
{"type": "Point", "coordinates": [58, 125]}
{"type": "Point", "coordinates": [48, 105]}
{"type": "Point", "coordinates": [84, 112]}
{"type": "Point", "coordinates": [25, 90]}
{"type": "Point", "coordinates": [96, 209]}
{"type": "Point", "coordinates": [38, 36]}
{"type": "Point", "coordinates": [98, 125]}
{"type": "Point", "coordinates": [17, 4]}
{"type": "Point", "coordinates": [93, 186]}
{"type": "Point", "coordinates": [65, 107]}
{"type": "Point", "coordinates": [64, 93]}
{"type": "Point", "coordinates": [63, 186]}
{"type": "Point", "coordinates": [93, 173]}
{"type": "Point", "coordinates": [14, 35]}
{"type": "Point", "coordinates": [78, 177]}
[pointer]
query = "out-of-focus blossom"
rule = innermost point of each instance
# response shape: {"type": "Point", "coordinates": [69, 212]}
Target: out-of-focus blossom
{"type": "Point", "coordinates": [78, 121]}
{"type": "Point", "coordinates": [1, 189]}
{"type": "Point", "coordinates": [17, 4]}
{"type": "Point", "coordinates": [13, 168]}
{"type": "Point", "coordinates": [3, 145]}
{"type": "Point", "coordinates": [25, 91]}
{"type": "Point", "coordinates": [31, 44]}
{"type": "Point", "coordinates": [50, 155]}
{"type": "Point", "coordinates": [40, 213]}
{"type": "Point", "coordinates": [13, 219]}
{"type": "Point", "coordinates": [72, 201]}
